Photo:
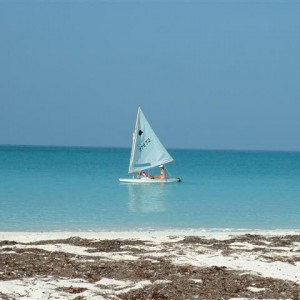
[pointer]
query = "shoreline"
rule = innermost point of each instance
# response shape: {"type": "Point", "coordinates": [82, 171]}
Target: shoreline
{"type": "Point", "coordinates": [31, 236]}
{"type": "Point", "coordinates": [144, 264]}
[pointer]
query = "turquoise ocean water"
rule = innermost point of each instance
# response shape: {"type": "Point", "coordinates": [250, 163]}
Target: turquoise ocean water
{"type": "Point", "coordinates": [49, 188]}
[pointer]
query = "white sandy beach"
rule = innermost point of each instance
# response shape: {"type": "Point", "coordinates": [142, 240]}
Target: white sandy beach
{"type": "Point", "coordinates": [267, 255]}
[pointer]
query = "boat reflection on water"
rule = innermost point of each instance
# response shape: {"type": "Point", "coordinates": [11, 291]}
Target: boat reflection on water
{"type": "Point", "coordinates": [147, 198]}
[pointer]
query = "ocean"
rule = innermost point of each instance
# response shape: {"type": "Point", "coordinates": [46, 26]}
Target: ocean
{"type": "Point", "coordinates": [77, 189]}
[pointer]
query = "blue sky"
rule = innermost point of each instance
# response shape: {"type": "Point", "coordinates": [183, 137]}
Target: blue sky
{"type": "Point", "coordinates": [207, 74]}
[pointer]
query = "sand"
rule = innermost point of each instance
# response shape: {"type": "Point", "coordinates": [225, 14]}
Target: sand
{"type": "Point", "coordinates": [165, 264]}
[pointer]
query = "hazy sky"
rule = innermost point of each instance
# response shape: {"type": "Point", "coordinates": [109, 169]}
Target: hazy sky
{"type": "Point", "coordinates": [207, 74]}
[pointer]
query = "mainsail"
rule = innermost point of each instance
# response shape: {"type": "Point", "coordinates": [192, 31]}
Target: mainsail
{"type": "Point", "coordinates": [147, 151]}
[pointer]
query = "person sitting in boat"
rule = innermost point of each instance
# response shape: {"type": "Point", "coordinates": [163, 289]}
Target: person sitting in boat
{"type": "Point", "coordinates": [144, 175]}
{"type": "Point", "coordinates": [163, 174]}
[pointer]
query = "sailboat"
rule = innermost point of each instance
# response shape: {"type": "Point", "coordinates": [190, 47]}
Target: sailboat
{"type": "Point", "coordinates": [147, 152]}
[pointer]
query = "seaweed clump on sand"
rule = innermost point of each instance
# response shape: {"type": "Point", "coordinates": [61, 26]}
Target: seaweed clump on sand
{"type": "Point", "coordinates": [163, 278]}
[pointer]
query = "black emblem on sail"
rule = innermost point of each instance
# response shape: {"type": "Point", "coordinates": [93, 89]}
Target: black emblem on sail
{"type": "Point", "coordinates": [140, 132]}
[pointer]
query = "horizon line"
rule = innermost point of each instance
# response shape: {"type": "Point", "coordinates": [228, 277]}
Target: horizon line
{"type": "Point", "coordinates": [125, 147]}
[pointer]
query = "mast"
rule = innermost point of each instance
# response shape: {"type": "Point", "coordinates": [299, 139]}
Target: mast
{"type": "Point", "coordinates": [134, 139]}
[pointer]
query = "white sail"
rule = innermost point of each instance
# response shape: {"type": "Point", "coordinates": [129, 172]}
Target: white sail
{"type": "Point", "coordinates": [147, 151]}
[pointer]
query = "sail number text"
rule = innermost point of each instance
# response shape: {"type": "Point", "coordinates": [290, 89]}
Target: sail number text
{"type": "Point", "coordinates": [144, 145]}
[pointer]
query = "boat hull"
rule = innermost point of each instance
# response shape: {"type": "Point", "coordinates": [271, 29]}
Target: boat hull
{"type": "Point", "coordinates": [146, 180]}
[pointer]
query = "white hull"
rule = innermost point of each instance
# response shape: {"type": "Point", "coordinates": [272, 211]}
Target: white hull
{"type": "Point", "coordinates": [135, 180]}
